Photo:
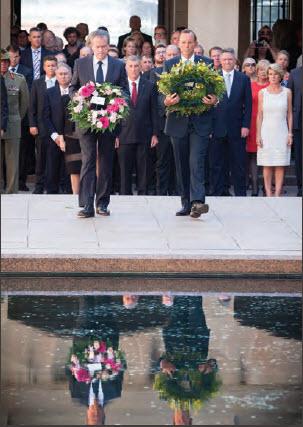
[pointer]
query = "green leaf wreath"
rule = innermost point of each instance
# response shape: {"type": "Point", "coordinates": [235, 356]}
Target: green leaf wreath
{"type": "Point", "coordinates": [191, 82]}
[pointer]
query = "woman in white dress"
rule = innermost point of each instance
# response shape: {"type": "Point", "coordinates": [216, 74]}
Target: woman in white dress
{"type": "Point", "coordinates": [274, 130]}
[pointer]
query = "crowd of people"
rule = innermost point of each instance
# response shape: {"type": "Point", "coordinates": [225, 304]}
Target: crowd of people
{"type": "Point", "coordinates": [255, 124]}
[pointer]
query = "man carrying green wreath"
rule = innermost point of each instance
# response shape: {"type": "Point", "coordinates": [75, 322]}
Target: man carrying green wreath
{"type": "Point", "coordinates": [190, 135]}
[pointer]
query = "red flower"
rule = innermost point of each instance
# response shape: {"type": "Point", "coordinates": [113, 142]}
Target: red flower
{"type": "Point", "coordinates": [87, 90]}
{"type": "Point", "coordinates": [105, 122]}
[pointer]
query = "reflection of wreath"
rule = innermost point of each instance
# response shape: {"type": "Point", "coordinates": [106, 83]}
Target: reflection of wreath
{"type": "Point", "coordinates": [92, 357]}
{"type": "Point", "coordinates": [191, 82]}
{"type": "Point", "coordinates": [187, 387]}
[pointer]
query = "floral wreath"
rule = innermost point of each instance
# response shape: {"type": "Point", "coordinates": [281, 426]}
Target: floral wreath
{"type": "Point", "coordinates": [191, 82]}
{"type": "Point", "coordinates": [98, 107]}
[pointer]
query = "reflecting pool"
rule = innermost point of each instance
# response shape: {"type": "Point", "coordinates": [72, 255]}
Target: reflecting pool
{"type": "Point", "coordinates": [122, 359]}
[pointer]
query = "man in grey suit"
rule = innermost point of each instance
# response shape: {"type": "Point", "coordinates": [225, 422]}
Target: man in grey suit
{"type": "Point", "coordinates": [190, 137]}
{"type": "Point", "coordinates": [99, 67]}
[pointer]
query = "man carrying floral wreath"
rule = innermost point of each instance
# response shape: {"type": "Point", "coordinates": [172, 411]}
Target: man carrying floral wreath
{"type": "Point", "coordinates": [190, 135]}
{"type": "Point", "coordinates": [98, 68]}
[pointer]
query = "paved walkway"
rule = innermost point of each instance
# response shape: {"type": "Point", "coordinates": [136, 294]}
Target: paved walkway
{"type": "Point", "coordinates": [46, 226]}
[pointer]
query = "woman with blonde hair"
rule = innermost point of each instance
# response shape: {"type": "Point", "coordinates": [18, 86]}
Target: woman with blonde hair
{"type": "Point", "coordinates": [274, 129]}
{"type": "Point", "coordinates": [249, 68]}
{"type": "Point", "coordinates": [129, 47]}
{"type": "Point", "coordinates": [258, 84]}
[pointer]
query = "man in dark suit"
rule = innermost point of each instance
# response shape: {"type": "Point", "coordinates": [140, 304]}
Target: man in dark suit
{"type": "Point", "coordinates": [295, 85]}
{"type": "Point", "coordinates": [139, 130]}
{"type": "Point", "coordinates": [190, 136]}
{"type": "Point", "coordinates": [55, 102]}
{"type": "Point", "coordinates": [135, 25]}
{"type": "Point", "coordinates": [32, 56]}
{"type": "Point", "coordinates": [165, 166]}
{"type": "Point", "coordinates": [231, 127]}
{"type": "Point", "coordinates": [100, 67]}
{"type": "Point", "coordinates": [37, 125]}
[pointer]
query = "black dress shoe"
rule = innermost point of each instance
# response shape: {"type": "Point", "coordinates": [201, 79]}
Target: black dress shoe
{"type": "Point", "coordinates": [198, 208]}
{"type": "Point", "coordinates": [183, 212]}
{"type": "Point", "coordinates": [87, 212]}
{"type": "Point", "coordinates": [102, 210]}
{"type": "Point", "coordinates": [23, 187]}
{"type": "Point", "coordinates": [38, 191]}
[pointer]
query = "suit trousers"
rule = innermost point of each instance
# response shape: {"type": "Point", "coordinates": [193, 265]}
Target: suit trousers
{"type": "Point", "coordinates": [89, 183]}
{"type": "Point", "coordinates": [10, 155]}
{"type": "Point", "coordinates": [42, 144]}
{"type": "Point", "coordinates": [131, 155]}
{"type": "Point", "coordinates": [24, 154]}
{"type": "Point", "coordinates": [228, 153]}
{"type": "Point", "coordinates": [165, 167]}
{"type": "Point", "coordinates": [190, 152]}
{"type": "Point", "coordinates": [298, 156]}
{"type": "Point", "coordinates": [54, 164]}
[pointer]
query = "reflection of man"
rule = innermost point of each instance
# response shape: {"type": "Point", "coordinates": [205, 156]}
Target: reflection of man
{"type": "Point", "coordinates": [184, 366]}
{"type": "Point", "coordinates": [135, 25]}
{"type": "Point", "coordinates": [130, 301]}
{"type": "Point", "coordinates": [98, 68]}
{"type": "Point", "coordinates": [190, 137]}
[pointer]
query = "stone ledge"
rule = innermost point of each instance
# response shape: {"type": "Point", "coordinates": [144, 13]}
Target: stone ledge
{"type": "Point", "coordinates": [181, 265]}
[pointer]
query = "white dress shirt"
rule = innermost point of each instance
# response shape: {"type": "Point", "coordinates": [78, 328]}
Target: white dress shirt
{"type": "Point", "coordinates": [191, 59]}
{"type": "Point", "coordinates": [104, 66]}
{"type": "Point", "coordinates": [50, 82]}
{"type": "Point", "coordinates": [231, 73]}
{"type": "Point", "coordinates": [130, 85]}
{"type": "Point", "coordinates": [15, 69]}
{"type": "Point", "coordinates": [39, 53]}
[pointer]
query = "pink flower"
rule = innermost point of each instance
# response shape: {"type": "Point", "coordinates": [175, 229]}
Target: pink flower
{"type": "Point", "coordinates": [81, 375]}
{"type": "Point", "coordinates": [87, 90]}
{"type": "Point", "coordinates": [120, 101]}
{"type": "Point", "coordinates": [105, 122]}
{"type": "Point", "coordinates": [113, 108]}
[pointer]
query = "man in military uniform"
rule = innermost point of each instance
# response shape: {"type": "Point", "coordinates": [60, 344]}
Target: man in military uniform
{"type": "Point", "coordinates": [18, 101]}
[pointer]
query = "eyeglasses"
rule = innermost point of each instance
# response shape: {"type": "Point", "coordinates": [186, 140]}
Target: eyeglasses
{"type": "Point", "coordinates": [250, 65]}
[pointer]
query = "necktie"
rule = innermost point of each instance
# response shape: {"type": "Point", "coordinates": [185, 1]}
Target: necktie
{"type": "Point", "coordinates": [99, 76]}
{"type": "Point", "coordinates": [228, 83]}
{"type": "Point", "coordinates": [36, 64]}
{"type": "Point", "coordinates": [134, 93]}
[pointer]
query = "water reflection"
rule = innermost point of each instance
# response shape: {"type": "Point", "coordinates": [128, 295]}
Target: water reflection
{"type": "Point", "coordinates": [163, 359]}
{"type": "Point", "coordinates": [187, 378]}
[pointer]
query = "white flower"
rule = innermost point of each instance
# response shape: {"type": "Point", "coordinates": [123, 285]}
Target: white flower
{"type": "Point", "coordinates": [78, 108]}
{"type": "Point", "coordinates": [113, 117]}
{"type": "Point", "coordinates": [99, 125]}
{"type": "Point", "coordinates": [94, 117]}
{"type": "Point", "coordinates": [103, 112]}
{"type": "Point", "coordinates": [117, 91]}
{"type": "Point", "coordinates": [112, 101]}
{"type": "Point", "coordinates": [95, 93]}
{"type": "Point", "coordinates": [121, 108]}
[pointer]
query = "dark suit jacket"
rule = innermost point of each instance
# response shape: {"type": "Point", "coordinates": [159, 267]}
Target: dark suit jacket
{"type": "Point", "coordinates": [54, 111]}
{"type": "Point", "coordinates": [233, 113]}
{"type": "Point", "coordinates": [295, 85]}
{"type": "Point", "coordinates": [153, 76]}
{"type": "Point", "coordinates": [142, 121]}
{"type": "Point", "coordinates": [4, 105]}
{"type": "Point", "coordinates": [27, 60]}
{"type": "Point", "coordinates": [177, 126]}
{"type": "Point", "coordinates": [146, 37]}
{"type": "Point", "coordinates": [36, 106]}
{"type": "Point", "coordinates": [84, 72]}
